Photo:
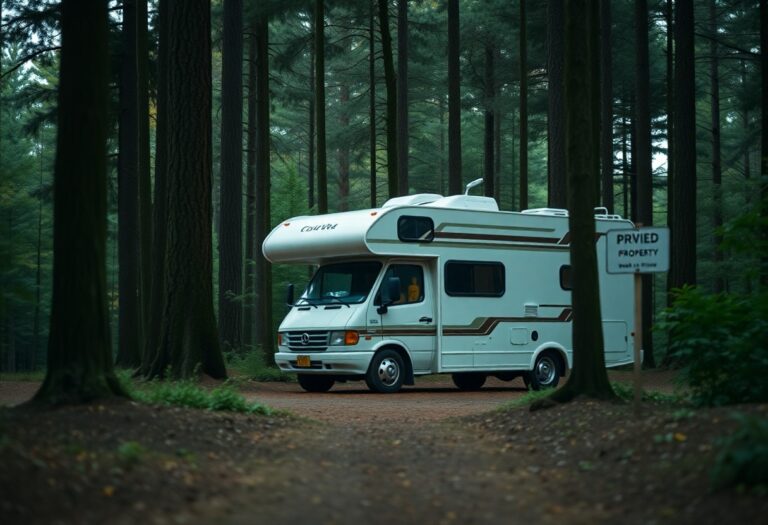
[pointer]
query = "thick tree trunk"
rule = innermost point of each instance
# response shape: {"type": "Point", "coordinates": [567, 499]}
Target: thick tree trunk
{"type": "Point", "coordinates": [372, 101]}
{"type": "Point", "coordinates": [606, 105]}
{"type": "Point", "coordinates": [588, 376]}
{"type": "Point", "coordinates": [497, 146]}
{"type": "Point", "coordinates": [391, 86]}
{"type": "Point", "coordinates": [488, 141]}
{"type": "Point", "coordinates": [79, 357]}
{"type": "Point", "coordinates": [558, 195]}
{"type": "Point", "coordinates": [643, 161]}
{"type": "Point", "coordinates": [683, 232]}
{"type": "Point", "coordinates": [231, 190]}
{"type": "Point", "coordinates": [343, 151]}
{"type": "Point", "coordinates": [402, 97]}
{"type": "Point", "coordinates": [523, 108]}
{"type": "Point", "coordinates": [454, 100]}
{"type": "Point", "coordinates": [144, 171]}
{"type": "Point", "coordinates": [263, 269]}
{"type": "Point", "coordinates": [38, 266]}
{"type": "Point", "coordinates": [670, 113]}
{"type": "Point", "coordinates": [188, 337]}
{"type": "Point", "coordinates": [764, 140]}
{"type": "Point", "coordinates": [128, 350]}
{"type": "Point", "coordinates": [717, 170]}
{"type": "Point", "coordinates": [322, 165]}
{"type": "Point", "coordinates": [311, 138]}
{"type": "Point", "coordinates": [251, 250]}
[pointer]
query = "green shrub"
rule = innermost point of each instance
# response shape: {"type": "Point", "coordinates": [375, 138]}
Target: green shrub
{"type": "Point", "coordinates": [188, 394]}
{"type": "Point", "coordinates": [130, 452]}
{"type": "Point", "coordinates": [721, 343]}
{"type": "Point", "coordinates": [626, 392]}
{"type": "Point", "coordinates": [742, 458]}
{"type": "Point", "coordinates": [253, 366]}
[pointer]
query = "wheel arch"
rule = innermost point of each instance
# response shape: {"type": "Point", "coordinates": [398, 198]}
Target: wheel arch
{"type": "Point", "coordinates": [564, 363]}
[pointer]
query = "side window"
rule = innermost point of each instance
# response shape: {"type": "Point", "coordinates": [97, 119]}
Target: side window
{"type": "Point", "coordinates": [566, 277]}
{"type": "Point", "coordinates": [474, 279]}
{"type": "Point", "coordinates": [415, 229]}
{"type": "Point", "coordinates": [411, 283]}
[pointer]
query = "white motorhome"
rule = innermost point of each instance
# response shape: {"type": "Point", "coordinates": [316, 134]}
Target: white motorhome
{"type": "Point", "coordinates": [429, 284]}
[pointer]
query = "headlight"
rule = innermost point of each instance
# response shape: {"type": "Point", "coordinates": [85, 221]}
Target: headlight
{"type": "Point", "coordinates": [343, 338]}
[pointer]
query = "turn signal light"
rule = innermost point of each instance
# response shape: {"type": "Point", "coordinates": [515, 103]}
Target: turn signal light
{"type": "Point", "coordinates": [279, 339]}
{"type": "Point", "coordinates": [351, 338]}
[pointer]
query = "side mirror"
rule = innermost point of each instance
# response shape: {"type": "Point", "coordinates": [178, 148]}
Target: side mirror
{"type": "Point", "coordinates": [289, 295]}
{"type": "Point", "coordinates": [390, 292]}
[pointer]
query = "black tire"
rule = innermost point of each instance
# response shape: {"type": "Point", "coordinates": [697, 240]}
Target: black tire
{"type": "Point", "coordinates": [546, 371]}
{"type": "Point", "coordinates": [386, 372]}
{"type": "Point", "coordinates": [313, 383]}
{"type": "Point", "coordinates": [468, 380]}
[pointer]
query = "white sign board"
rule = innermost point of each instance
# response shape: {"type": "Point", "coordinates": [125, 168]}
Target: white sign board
{"type": "Point", "coordinates": [640, 250]}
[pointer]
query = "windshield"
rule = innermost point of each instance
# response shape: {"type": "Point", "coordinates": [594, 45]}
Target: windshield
{"type": "Point", "coordinates": [342, 283]}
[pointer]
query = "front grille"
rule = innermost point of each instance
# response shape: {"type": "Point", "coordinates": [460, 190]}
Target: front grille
{"type": "Point", "coordinates": [307, 341]}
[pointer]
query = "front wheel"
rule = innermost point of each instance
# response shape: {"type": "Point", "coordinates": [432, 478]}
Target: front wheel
{"type": "Point", "coordinates": [313, 383]}
{"type": "Point", "coordinates": [385, 373]}
{"type": "Point", "coordinates": [545, 373]}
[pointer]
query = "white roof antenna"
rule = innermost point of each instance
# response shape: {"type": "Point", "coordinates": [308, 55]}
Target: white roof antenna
{"type": "Point", "coordinates": [476, 182]}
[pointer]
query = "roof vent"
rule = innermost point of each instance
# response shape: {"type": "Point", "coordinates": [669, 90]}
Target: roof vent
{"type": "Point", "coordinates": [466, 202]}
{"type": "Point", "coordinates": [412, 200]}
{"type": "Point", "coordinates": [555, 212]}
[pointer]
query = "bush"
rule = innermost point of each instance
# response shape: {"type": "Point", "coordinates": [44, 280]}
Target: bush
{"type": "Point", "coordinates": [721, 342]}
{"type": "Point", "coordinates": [253, 366]}
{"type": "Point", "coordinates": [743, 456]}
{"type": "Point", "coordinates": [187, 394]}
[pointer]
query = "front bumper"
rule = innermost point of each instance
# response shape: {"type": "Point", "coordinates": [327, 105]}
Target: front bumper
{"type": "Point", "coordinates": [326, 363]}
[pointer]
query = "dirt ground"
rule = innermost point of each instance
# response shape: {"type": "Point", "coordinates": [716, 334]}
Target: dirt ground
{"type": "Point", "coordinates": [430, 454]}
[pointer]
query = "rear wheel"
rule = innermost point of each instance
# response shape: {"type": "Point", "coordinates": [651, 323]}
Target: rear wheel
{"type": "Point", "coordinates": [546, 371]}
{"type": "Point", "coordinates": [313, 383]}
{"type": "Point", "coordinates": [468, 380]}
{"type": "Point", "coordinates": [385, 374]}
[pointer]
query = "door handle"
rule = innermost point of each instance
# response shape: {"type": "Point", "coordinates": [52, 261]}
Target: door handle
{"type": "Point", "coordinates": [425, 319]}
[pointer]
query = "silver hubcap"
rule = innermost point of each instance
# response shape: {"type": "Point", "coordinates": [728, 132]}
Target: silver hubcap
{"type": "Point", "coordinates": [545, 371]}
{"type": "Point", "coordinates": [389, 371]}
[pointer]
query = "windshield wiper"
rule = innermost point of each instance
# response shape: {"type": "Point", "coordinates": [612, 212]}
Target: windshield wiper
{"type": "Point", "coordinates": [306, 302]}
{"type": "Point", "coordinates": [337, 299]}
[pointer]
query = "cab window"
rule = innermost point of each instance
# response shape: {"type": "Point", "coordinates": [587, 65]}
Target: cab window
{"type": "Point", "coordinates": [411, 283]}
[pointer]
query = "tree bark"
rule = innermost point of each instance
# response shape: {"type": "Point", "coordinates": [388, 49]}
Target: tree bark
{"type": "Point", "coordinates": [231, 189]}
{"type": "Point", "coordinates": [523, 108]}
{"type": "Point", "coordinates": [670, 114]}
{"type": "Point", "coordinates": [343, 151]}
{"type": "Point", "coordinates": [79, 357]}
{"type": "Point", "coordinates": [490, 128]}
{"type": "Point", "coordinates": [144, 170]}
{"type": "Point", "coordinates": [643, 162]}
{"type": "Point", "coordinates": [128, 351]}
{"type": "Point", "coordinates": [606, 105]}
{"type": "Point", "coordinates": [372, 101]}
{"type": "Point", "coordinates": [311, 138]}
{"type": "Point", "coordinates": [588, 376]}
{"type": "Point", "coordinates": [764, 141]}
{"type": "Point", "coordinates": [558, 194]}
{"type": "Point", "coordinates": [322, 166]}
{"type": "Point", "coordinates": [454, 100]}
{"type": "Point", "coordinates": [717, 170]}
{"type": "Point", "coordinates": [391, 87]}
{"type": "Point", "coordinates": [683, 231]}
{"type": "Point", "coordinates": [402, 97]}
{"type": "Point", "coordinates": [263, 269]}
{"type": "Point", "coordinates": [188, 337]}
{"type": "Point", "coordinates": [251, 252]}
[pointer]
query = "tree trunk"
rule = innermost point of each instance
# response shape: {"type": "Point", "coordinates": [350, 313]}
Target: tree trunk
{"type": "Point", "coordinates": [441, 111]}
{"type": "Point", "coordinates": [79, 356]}
{"type": "Point", "coordinates": [144, 171]}
{"type": "Point", "coordinates": [343, 151]}
{"type": "Point", "coordinates": [497, 146]}
{"type": "Point", "coordinates": [488, 142]}
{"type": "Point", "coordinates": [372, 101]}
{"type": "Point", "coordinates": [764, 141]}
{"type": "Point", "coordinates": [670, 114]}
{"type": "Point", "coordinates": [402, 97]}
{"type": "Point", "coordinates": [128, 354]}
{"type": "Point", "coordinates": [606, 105]}
{"type": "Point", "coordinates": [311, 138]}
{"type": "Point", "coordinates": [231, 189]}
{"type": "Point", "coordinates": [588, 376]}
{"type": "Point", "coordinates": [454, 100]}
{"type": "Point", "coordinates": [523, 108]}
{"type": "Point", "coordinates": [263, 269]}
{"type": "Point", "coordinates": [389, 80]}
{"type": "Point", "coordinates": [683, 232]}
{"type": "Point", "coordinates": [558, 194]}
{"type": "Point", "coordinates": [251, 250]}
{"type": "Point", "coordinates": [38, 264]}
{"type": "Point", "coordinates": [643, 162]}
{"type": "Point", "coordinates": [717, 171]}
{"type": "Point", "coordinates": [625, 167]}
{"type": "Point", "coordinates": [160, 207]}
{"type": "Point", "coordinates": [188, 337]}
{"type": "Point", "coordinates": [322, 166]}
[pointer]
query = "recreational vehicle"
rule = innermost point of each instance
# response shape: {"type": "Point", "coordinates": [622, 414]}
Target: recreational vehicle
{"type": "Point", "coordinates": [429, 284]}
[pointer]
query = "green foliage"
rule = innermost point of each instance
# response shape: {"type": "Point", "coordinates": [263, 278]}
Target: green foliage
{"type": "Point", "coordinates": [720, 339]}
{"type": "Point", "coordinates": [742, 458]}
{"type": "Point", "coordinates": [130, 453]}
{"type": "Point", "coordinates": [626, 392]}
{"type": "Point", "coordinates": [526, 399]}
{"type": "Point", "coordinates": [253, 366]}
{"type": "Point", "coordinates": [188, 394]}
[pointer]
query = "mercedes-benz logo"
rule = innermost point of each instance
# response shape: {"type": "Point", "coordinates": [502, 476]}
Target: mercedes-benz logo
{"type": "Point", "coordinates": [305, 338]}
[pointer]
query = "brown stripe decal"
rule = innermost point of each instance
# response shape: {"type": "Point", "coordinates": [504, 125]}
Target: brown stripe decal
{"type": "Point", "coordinates": [484, 326]}
{"type": "Point", "coordinates": [489, 237]}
